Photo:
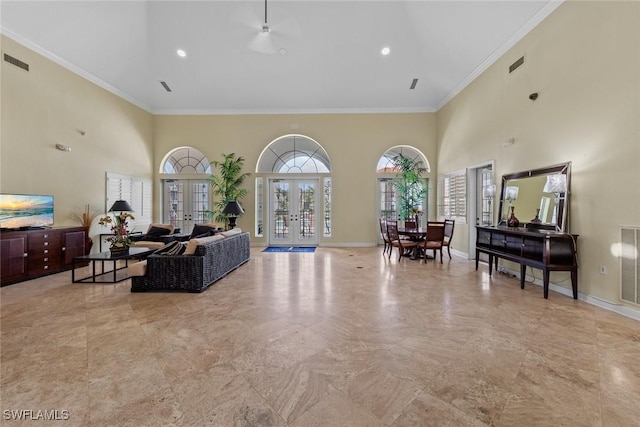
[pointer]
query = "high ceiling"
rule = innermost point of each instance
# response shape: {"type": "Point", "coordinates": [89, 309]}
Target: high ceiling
{"type": "Point", "coordinates": [320, 56]}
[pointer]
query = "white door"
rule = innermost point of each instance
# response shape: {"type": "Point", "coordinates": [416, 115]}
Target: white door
{"type": "Point", "coordinates": [185, 203]}
{"type": "Point", "coordinates": [293, 209]}
{"type": "Point", "coordinates": [481, 207]}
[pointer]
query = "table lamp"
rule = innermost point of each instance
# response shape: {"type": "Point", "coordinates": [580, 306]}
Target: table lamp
{"type": "Point", "coordinates": [232, 209]}
{"type": "Point", "coordinates": [489, 192]}
{"type": "Point", "coordinates": [556, 184]}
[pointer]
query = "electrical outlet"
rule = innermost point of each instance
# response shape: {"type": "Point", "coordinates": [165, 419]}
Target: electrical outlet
{"type": "Point", "coordinates": [603, 269]}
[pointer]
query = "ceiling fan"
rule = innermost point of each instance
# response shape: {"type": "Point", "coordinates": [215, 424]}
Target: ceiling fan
{"type": "Point", "coordinates": [265, 37]}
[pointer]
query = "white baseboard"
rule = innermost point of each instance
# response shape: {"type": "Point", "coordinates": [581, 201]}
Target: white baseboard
{"type": "Point", "coordinates": [621, 309]}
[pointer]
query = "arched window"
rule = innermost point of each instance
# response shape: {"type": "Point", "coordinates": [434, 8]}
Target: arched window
{"type": "Point", "coordinates": [185, 160]}
{"type": "Point", "coordinates": [307, 211]}
{"type": "Point", "coordinates": [386, 163]}
{"type": "Point", "coordinates": [399, 199]}
{"type": "Point", "coordinates": [294, 154]}
{"type": "Point", "coordinates": [185, 194]}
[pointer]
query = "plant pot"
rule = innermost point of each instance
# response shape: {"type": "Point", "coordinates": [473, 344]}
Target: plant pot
{"type": "Point", "coordinates": [119, 251]}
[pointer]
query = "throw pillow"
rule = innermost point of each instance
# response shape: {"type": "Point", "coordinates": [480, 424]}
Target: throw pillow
{"type": "Point", "coordinates": [173, 248]}
{"type": "Point", "coordinates": [199, 229]}
{"type": "Point", "coordinates": [207, 234]}
{"type": "Point", "coordinates": [157, 232]}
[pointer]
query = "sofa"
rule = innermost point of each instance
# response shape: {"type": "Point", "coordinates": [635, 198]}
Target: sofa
{"type": "Point", "coordinates": [204, 261]}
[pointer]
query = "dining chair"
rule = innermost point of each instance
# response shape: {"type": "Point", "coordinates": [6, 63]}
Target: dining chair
{"type": "Point", "coordinates": [410, 224]}
{"type": "Point", "coordinates": [434, 238]}
{"type": "Point", "coordinates": [449, 224]}
{"type": "Point", "coordinates": [402, 245]}
{"type": "Point", "coordinates": [385, 236]}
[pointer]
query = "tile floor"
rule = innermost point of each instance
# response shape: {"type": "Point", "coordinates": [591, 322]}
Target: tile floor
{"type": "Point", "coordinates": [340, 337]}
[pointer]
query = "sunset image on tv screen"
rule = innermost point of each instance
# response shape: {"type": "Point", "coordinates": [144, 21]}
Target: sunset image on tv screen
{"type": "Point", "coordinates": [20, 211]}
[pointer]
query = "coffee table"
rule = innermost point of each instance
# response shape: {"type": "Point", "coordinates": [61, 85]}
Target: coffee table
{"type": "Point", "coordinates": [111, 276]}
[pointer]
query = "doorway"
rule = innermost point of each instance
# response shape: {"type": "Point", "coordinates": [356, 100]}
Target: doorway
{"type": "Point", "coordinates": [293, 209]}
{"type": "Point", "coordinates": [481, 202]}
{"type": "Point", "coordinates": [185, 203]}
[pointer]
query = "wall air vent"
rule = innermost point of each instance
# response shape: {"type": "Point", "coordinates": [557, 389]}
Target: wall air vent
{"type": "Point", "coordinates": [516, 64]}
{"type": "Point", "coordinates": [165, 86]}
{"type": "Point", "coordinates": [15, 61]}
{"type": "Point", "coordinates": [414, 83]}
{"type": "Point", "coordinates": [630, 265]}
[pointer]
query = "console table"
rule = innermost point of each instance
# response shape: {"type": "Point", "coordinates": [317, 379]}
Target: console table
{"type": "Point", "coordinates": [31, 253]}
{"type": "Point", "coordinates": [542, 249]}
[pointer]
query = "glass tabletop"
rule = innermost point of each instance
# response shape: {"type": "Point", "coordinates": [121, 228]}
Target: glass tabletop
{"type": "Point", "coordinates": [134, 251]}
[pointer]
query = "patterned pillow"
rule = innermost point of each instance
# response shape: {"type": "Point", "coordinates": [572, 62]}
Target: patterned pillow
{"type": "Point", "coordinates": [173, 248]}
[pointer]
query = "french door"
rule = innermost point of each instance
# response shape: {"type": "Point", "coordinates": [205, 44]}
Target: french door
{"type": "Point", "coordinates": [481, 203]}
{"type": "Point", "coordinates": [185, 203]}
{"type": "Point", "coordinates": [293, 209]}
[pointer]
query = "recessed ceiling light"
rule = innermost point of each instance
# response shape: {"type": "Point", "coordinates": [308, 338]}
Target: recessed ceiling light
{"type": "Point", "coordinates": [181, 53]}
{"type": "Point", "coordinates": [385, 51]}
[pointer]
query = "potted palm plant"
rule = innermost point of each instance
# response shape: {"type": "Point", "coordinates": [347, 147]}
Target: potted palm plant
{"type": "Point", "coordinates": [409, 186]}
{"type": "Point", "coordinates": [226, 184]}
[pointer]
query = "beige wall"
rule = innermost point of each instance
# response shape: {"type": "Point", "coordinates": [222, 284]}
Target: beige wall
{"type": "Point", "coordinates": [584, 60]}
{"type": "Point", "coordinates": [354, 143]}
{"type": "Point", "coordinates": [49, 105]}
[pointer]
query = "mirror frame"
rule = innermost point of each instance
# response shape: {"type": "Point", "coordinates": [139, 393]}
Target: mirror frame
{"type": "Point", "coordinates": [561, 221]}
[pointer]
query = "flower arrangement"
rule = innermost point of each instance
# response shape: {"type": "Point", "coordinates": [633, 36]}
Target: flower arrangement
{"type": "Point", "coordinates": [118, 223]}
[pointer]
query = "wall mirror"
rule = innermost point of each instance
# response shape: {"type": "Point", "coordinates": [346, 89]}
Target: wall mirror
{"type": "Point", "coordinates": [539, 197]}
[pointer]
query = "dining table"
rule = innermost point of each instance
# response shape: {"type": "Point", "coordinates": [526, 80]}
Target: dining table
{"type": "Point", "coordinates": [418, 234]}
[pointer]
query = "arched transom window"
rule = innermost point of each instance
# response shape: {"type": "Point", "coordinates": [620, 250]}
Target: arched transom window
{"type": "Point", "coordinates": [294, 154]}
{"type": "Point", "coordinates": [387, 165]}
{"type": "Point", "coordinates": [185, 160]}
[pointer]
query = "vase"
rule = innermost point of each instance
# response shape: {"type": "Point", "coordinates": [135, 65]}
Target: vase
{"type": "Point", "coordinates": [119, 250]}
{"type": "Point", "coordinates": [513, 221]}
{"type": "Point", "coordinates": [537, 219]}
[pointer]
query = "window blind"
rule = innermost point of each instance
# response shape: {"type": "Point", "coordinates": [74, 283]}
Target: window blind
{"type": "Point", "coordinates": [452, 195]}
{"type": "Point", "coordinates": [135, 190]}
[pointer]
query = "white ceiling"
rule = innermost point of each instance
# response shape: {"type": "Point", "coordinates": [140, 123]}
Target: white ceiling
{"type": "Point", "coordinates": [332, 62]}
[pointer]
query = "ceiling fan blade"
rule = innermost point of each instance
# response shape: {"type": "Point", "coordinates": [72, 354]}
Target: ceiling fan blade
{"type": "Point", "coordinates": [263, 43]}
{"type": "Point", "coordinates": [244, 21]}
{"type": "Point", "coordinates": [288, 27]}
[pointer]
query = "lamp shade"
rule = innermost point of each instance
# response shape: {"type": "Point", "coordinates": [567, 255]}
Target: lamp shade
{"type": "Point", "coordinates": [556, 183]}
{"type": "Point", "coordinates": [121, 206]}
{"type": "Point", "coordinates": [233, 208]}
{"type": "Point", "coordinates": [489, 192]}
{"type": "Point", "coordinates": [511, 193]}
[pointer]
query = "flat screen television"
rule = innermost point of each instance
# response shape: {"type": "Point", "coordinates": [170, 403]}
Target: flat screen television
{"type": "Point", "coordinates": [23, 211]}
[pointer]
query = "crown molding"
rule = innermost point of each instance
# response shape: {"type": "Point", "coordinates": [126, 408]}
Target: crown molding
{"type": "Point", "coordinates": [71, 67]}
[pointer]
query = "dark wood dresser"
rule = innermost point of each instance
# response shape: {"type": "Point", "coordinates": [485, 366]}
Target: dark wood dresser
{"type": "Point", "coordinates": [542, 249]}
{"type": "Point", "coordinates": [26, 254]}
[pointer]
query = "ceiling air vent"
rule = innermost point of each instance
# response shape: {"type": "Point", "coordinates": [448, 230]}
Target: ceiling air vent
{"type": "Point", "coordinates": [15, 61]}
{"type": "Point", "coordinates": [516, 64]}
{"type": "Point", "coordinates": [165, 86]}
{"type": "Point", "coordinates": [414, 83]}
